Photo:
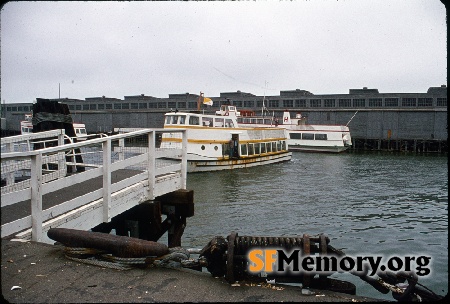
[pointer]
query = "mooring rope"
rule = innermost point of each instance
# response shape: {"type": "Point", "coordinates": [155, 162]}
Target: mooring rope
{"type": "Point", "coordinates": [176, 258]}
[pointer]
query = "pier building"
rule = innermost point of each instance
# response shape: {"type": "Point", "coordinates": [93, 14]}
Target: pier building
{"type": "Point", "coordinates": [384, 121]}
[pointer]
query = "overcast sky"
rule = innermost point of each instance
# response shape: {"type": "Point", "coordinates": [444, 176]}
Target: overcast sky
{"type": "Point", "coordinates": [119, 49]}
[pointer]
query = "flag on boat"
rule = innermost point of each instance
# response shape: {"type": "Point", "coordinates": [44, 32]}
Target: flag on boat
{"type": "Point", "coordinates": [207, 101]}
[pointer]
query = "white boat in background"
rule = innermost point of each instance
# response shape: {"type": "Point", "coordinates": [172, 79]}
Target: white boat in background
{"type": "Point", "coordinates": [216, 142]}
{"type": "Point", "coordinates": [304, 137]}
{"type": "Point", "coordinates": [26, 127]}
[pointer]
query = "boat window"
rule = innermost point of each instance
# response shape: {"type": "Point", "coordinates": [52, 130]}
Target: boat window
{"type": "Point", "coordinates": [218, 122]}
{"type": "Point", "coordinates": [182, 120]}
{"type": "Point", "coordinates": [257, 150]}
{"type": "Point", "coordinates": [274, 146]}
{"type": "Point", "coordinates": [308, 136]}
{"type": "Point", "coordinates": [194, 120]}
{"type": "Point", "coordinates": [251, 149]}
{"type": "Point", "coordinates": [295, 135]}
{"type": "Point", "coordinates": [244, 149]}
{"type": "Point", "coordinates": [321, 137]}
{"type": "Point", "coordinates": [279, 145]}
{"type": "Point", "coordinates": [260, 121]}
{"type": "Point", "coordinates": [283, 145]}
{"type": "Point", "coordinates": [207, 121]}
{"type": "Point", "coordinates": [268, 147]}
{"type": "Point", "coordinates": [229, 123]}
{"type": "Point", "coordinates": [263, 148]}
{"type": "Point", "coordinates": [267, 121]}
{"type": "Point", "coordinates": [170, 119]}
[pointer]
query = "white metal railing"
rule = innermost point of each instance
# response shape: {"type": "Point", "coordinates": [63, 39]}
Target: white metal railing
{"type": "Point", "coordinates": [151, 174]}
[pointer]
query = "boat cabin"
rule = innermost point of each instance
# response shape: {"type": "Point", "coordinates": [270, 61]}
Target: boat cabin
{"type": "Point", "coordinates": [227, 110]}
{"type": "Point", "coordinates": [192, 119]}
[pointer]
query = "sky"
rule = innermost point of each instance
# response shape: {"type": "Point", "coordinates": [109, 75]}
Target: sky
{"type": "Point", "coordinates": [116, 49]}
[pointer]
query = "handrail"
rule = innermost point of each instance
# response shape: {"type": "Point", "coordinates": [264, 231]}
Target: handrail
{"type": "Point", "coordinates": [38, 187]}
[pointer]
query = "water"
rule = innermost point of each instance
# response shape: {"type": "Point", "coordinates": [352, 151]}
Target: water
{"type": "Point", "coordinates": [372, 204]}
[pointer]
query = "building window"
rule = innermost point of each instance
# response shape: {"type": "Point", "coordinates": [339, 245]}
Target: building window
{"type": "Point", "coordinates": [345, 103]}
{"type": "Point", "coordinates": [390, 102]}
{"type": "Point", "coordinates": [117, 106]}
{"type": "Point", "coordinates": [274, 103]}
{"type": "Point", "coordinates": [288, 103]}
{"type": "Point", "coordinates": [425, 102]}
{"type": "Point", "coordinates": [77, 107]}
{"type": "Point", "coordinates": [329, 103]}
{"type": "Point", "coordinates": [181, 105]}
{"type": "Point", "coordinates": [93, 107]}
{"type": "Point", "coordinates": [152, 105]}
{"type": "Point", "coordinates": [315, 103]}
{"type": "Point", "coordinates": [71, 107]}
{"type": "Point", "coordinates": [20, 109]}
{"type": "Point", "coordinates": [249, 103]}
{"type": "Point", "coordinates": [101, 106]}
{"type": "Point", "coordinates": [192, 105]}
{"type": "Point", "coordinates": [162, 105]}
{"type": "Point", "coordinates": [359, 103]}
{"type": "Point", "coordinates": [441, 102]}
{"type": "Point", "coordinates": [134, 105]}
{"type": "Point", "coordinates": [408, 102]}
{"type": "Point", "coordinates": [85, 107]}
{"type": "Point", "coordinates": [237, 103]}
{"type": "Point", "coordinates": [259, 103]}
{"type": "Point", "coordinates": [172, 105]}
{"type": "Point", "coordinates": [108, 106]}
{"type": "Point", "coordinates": [376, 102]}
{"type": "Point", "coordinates": [125, 106]}
{"type": "Point", "coordinates": [142, 105]}
{"type": "Point", "coordinates": [300, 103]}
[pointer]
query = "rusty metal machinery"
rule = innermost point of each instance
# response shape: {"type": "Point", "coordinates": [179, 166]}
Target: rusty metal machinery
{"type": "Point", "coordinates": [229, 258]}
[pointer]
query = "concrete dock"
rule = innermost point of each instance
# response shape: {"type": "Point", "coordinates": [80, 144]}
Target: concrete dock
{"type": "Point", "coordinates": [44, 274]}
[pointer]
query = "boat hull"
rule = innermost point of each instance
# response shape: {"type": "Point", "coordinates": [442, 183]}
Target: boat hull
{"type": "Point", "coordinates": [329, 149]}
{"type": "Point", "coordinates": [228, 164]}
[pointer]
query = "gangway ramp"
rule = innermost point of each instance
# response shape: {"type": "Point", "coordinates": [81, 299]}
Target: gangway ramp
{"type": "Point", "coordinates": [110, 183]}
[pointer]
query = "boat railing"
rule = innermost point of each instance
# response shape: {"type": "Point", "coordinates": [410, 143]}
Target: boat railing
{"type": "Point", "coordinates": [98, 160]}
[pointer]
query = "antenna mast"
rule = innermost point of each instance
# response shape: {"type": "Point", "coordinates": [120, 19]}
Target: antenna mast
{"type": "Point", "coordinates": [264, 98]}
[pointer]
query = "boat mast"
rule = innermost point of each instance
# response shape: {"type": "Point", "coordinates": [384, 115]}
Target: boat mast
{"type": "Point", "coordinates": [199, 101]}
{"type": "Point", "coordinates": [264, 98]}
{"type": "Point", "coordinates": [351, 118]}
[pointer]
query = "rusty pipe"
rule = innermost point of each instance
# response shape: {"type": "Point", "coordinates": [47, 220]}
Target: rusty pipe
{"type": "Point", "coordinates": [120, 246]}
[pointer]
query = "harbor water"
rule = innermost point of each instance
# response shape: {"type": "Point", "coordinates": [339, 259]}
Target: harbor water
{"type": "Point", "coordinates": [378, 204]}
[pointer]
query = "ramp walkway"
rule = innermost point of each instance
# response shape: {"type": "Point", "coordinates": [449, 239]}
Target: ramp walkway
{"type": "Point", "coordinates": [50, 187]}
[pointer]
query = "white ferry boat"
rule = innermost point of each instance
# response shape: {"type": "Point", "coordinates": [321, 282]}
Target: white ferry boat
{"type": "Point", "coordinates": [26, 127]}
{"type": "Point", "coordinates": [304, 137]}
{"type": "Point", "coordinates": [216, 142]}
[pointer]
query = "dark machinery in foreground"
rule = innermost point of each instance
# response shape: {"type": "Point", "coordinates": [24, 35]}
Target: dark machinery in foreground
{"type": "Point", "coordinates": [229, 258]}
